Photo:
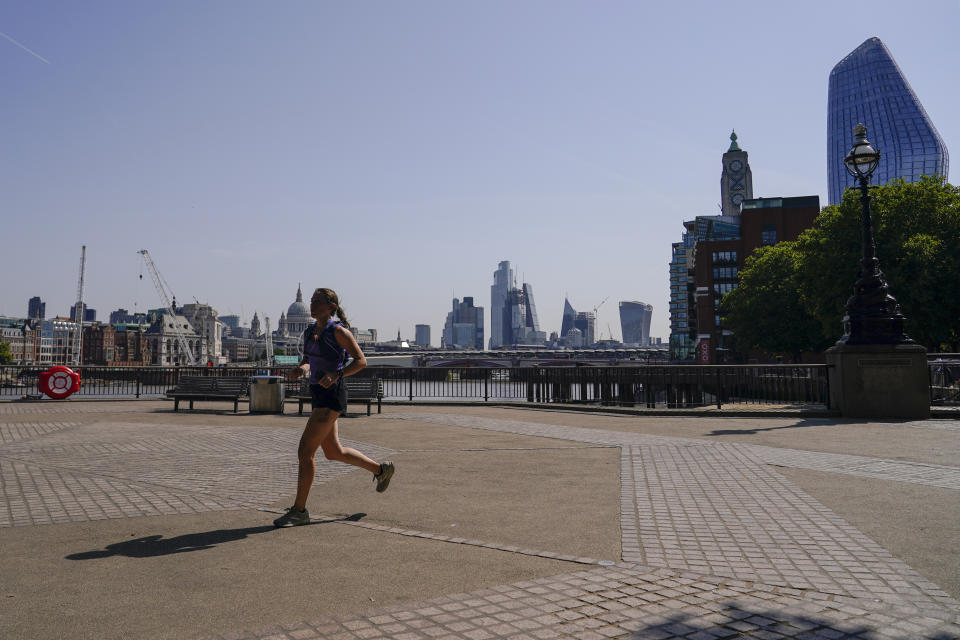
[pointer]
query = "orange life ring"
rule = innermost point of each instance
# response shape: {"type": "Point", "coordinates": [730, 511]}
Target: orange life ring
{"type": "Point", "coordinates": [59, 382]}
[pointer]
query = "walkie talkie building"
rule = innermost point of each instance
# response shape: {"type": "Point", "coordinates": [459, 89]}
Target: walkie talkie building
{"type": "Point", "coordinates": [867, 86]}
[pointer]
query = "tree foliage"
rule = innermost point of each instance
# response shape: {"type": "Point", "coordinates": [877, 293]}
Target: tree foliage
{"type": "Point", "coordinates": [5, 356]}
{"type": "Point", "coordinates": [765, 311]}
{"type": "Point", "coordinates": [917, 234]}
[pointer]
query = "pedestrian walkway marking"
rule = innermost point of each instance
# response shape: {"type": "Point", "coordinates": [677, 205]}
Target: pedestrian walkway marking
{"type": "Point", "coordinates": [718, 508]}
{"type": "Point", "coordinates": [411, 533]}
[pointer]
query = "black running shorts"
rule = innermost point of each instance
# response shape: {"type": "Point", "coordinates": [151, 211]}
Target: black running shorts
{"type": "Point", "coordinates": [333, 397]}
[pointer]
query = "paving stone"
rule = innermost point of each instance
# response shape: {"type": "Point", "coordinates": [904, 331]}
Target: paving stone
{"type": "Point", "coordinates": [715, 542]}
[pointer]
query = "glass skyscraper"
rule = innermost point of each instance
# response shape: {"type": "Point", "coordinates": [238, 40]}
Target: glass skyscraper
{"type": "Point", "coordinates": [635, 319]}
{"type": "Point", "coordinates": [867, 86]}
{"type": "Point", "coordinates": [502, 283]}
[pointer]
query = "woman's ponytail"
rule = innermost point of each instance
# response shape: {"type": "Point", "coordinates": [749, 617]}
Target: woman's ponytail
{"type": "Point", "coordinates": [343, 316]}
{"type": "Point", "coordinates": [330, 297]}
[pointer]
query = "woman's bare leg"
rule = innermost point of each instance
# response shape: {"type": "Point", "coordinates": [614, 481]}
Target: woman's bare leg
{"type": "Point", "coordinates": [321, 422]}
{"type": "Point", "coordinates": [321, 430]}
{"type": "Point", "coordinates": [333, 450]}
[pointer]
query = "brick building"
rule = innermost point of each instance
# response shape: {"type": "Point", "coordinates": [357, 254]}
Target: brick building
{"type": "Point", "coordinates": [762, 222]}
{"type": "Point", "coordinates": [115, 345]}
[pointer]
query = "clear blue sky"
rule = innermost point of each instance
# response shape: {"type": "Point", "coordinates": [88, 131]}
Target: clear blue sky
{"type": "Point", "coordinates": [397, 151]}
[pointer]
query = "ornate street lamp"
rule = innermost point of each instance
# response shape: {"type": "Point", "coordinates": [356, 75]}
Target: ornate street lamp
{"type": "Point", "coordinates": [872, 314]}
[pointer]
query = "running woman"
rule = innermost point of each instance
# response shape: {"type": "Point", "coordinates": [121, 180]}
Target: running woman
{"type": "Point", "coordinates": [326, 347]}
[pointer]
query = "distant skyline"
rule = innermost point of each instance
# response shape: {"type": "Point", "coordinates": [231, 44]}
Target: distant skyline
{"type": "Point", "coordinates": [397, 152]}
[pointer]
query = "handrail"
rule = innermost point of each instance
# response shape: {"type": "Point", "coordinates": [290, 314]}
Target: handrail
{"type": "Point", "coordinates": [644, 385]}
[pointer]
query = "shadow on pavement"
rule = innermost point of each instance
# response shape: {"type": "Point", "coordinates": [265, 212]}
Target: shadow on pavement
{"type": "Point", "coordinates": [764, 623]}
{"type": "Point", "coordinates": [809, 422]}
{"type": "Point", "coordinates": [151, 546]}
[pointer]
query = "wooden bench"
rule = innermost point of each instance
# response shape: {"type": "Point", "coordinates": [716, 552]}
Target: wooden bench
{"type": "Point", "coordinates": [358, 390]}
{"type": "Point", "coordinates": [194, 388]}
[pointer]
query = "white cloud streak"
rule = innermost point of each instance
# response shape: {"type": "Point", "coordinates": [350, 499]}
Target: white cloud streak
{"type": "Point", "coordinates": [28, 50]}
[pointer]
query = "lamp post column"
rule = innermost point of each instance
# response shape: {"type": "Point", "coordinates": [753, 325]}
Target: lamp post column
{"type": "Point", "coordinates": [878, 370]}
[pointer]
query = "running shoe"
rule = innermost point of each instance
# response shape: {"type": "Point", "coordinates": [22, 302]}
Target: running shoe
{"type": "Point", "coordinates": [292, 518]}
{"type": "Point", "coordinates": [383, 478]}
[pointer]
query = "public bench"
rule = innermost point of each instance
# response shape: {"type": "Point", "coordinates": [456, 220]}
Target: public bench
{"type": "Point", "coordinates": [358, 390]}
{"type": "Point", "coordinates": [193, 388]}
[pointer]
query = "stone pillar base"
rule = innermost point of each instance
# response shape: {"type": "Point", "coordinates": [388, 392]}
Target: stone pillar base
{"type": "Point", "coordinates": [879, 380]}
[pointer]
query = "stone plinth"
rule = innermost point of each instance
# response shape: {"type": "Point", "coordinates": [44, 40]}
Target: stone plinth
{"type": "Point", "coordinates": [879, 381]}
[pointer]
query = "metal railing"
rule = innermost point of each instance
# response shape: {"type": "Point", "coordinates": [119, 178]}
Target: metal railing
{"type": "Point", "coordinates": [945, 381]}
{"type": "Point", "coordinates": [676, 386]}
{"type": "Point", "coordinates": [650, 386]}
{"type": "Point", "coordinates": [120, 382]}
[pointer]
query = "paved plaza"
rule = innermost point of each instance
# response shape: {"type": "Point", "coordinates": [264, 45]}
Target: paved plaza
{"type": "Point", "coordinates": [125, 520]}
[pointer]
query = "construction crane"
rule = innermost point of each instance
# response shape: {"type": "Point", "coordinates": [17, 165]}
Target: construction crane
{"type": "Point", "coordinates": [177, 331]}
{"type": "Point", "coordinates": [268, 341]}
{"type": "Point", "coordinates": [599, 305]}
{"type": "Point", "coordinates": [78, 310]}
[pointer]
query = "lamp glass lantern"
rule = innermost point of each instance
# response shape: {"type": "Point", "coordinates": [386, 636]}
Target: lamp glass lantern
{"type": "Point", "coordinates": [863, 159]}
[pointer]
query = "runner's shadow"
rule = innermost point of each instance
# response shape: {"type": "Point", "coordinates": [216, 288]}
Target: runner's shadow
{"type": "Point", "coordinates": [157, 545]}
{"type": "Point", "coordinates": [815, 422]}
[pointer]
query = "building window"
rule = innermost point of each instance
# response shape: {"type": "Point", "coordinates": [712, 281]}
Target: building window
{"type": "Point", "coordinates": [721, 288]}
{"type": "Point", "coordinates": [724, 273]}
{"type": "Point", "coordinates": [769, 234]}
{"type": "Point", "coordinates": [724, 257]}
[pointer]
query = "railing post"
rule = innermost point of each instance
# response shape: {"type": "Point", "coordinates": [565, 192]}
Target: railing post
{"type": "Point", "coordinates": [719, 390]}
{"type": "Point", "coordinates": [486, 385]}
{"type": "Point", "coordinates": [138, 381]}
{"type": "Point", "coordinates": [410, 387]}
{"type": "Point", "coordinates": [826, 378]}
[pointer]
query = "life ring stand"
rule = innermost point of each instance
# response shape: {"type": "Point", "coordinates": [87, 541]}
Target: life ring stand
{"type": "Point", "coordinates": [59, 382]}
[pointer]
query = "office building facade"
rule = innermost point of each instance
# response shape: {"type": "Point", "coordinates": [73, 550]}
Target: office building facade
{"type": "Point", "coordinates": [681, 295]}
{"type": "Point", "coordinates": [635, 319]}
{"type": "Point", "coordinates": [36, 309]}
{"type": "Point", "coordinates": [89, 315]}
{"type": "Point", "coordinates": [868, 86]}
{"type": "Point", "coordinates": [586, 323]}
{"type": "Point", "coordinates": [520, 324]}
{"type": "Point", "coordinates": [502, 283]}
{"type": "Point", "coordinates": [569, 316]}
{"type": "Point", "coordinates": [463, 328]}
{"type": "Point", "coordinates": [122, 316]}
{"type": "Point", "coordinates": [422, 333]}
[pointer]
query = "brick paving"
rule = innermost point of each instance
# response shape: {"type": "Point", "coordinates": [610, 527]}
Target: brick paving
{"type": "Point", "coordinates": [898, 470]}
{"type": "Point", "coordinates": [63, 472]}
{"type": "Point", "coordinates": [933, 475]}
{"type": "Point", "coordinates": [715, 543]}
{"type": "Point", "coordinates": [626, 601]}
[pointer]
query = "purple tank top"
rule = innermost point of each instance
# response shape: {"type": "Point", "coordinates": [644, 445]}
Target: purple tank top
{"type": "Point", "coordinates": [322, 351]}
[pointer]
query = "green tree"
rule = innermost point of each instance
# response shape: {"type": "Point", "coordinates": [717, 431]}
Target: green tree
{"type": "Point", "coordinates": [765, 311]}
{"type": "Point", "coordinates": [5, 356]}
{"type": "Point", "coordinates": [917, 233]}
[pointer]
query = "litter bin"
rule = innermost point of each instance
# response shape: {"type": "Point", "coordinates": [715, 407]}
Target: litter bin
{"type": "Point", "coordinates": [266, 394]}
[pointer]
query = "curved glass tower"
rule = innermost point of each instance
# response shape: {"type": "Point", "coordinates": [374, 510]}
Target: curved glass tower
{"type": "Point", "coordinates": [635, 319]}
{"type": "Point", "coordinates": [867, 86]}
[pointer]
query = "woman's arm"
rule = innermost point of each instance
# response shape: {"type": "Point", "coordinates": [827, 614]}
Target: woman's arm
{"type": "Point", "coordinates": [346, 340]}
{"type": "Point", "coordinates": [302, 370]}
